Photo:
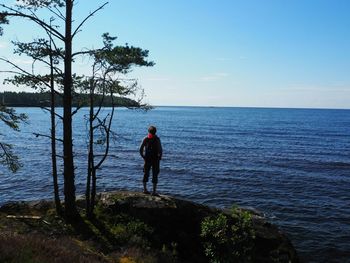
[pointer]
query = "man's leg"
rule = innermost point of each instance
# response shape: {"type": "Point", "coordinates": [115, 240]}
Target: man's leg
{"type": "Point", "coordinates": [154, 192]}
{"type": "Point", "coordinates": [146, 170]}
{"type": "Point", "coordinates": [155, 172]}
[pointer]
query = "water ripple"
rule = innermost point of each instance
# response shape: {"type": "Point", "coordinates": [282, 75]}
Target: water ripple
{"type": "Point", "coordinates": [292, 165]}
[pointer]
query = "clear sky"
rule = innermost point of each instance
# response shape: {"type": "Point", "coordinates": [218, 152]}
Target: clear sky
{"type": "Point", "coordinates": [265, 53]}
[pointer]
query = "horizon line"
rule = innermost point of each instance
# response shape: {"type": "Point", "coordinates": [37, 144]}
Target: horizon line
{"type": "Point", "coordinates": [252, 107]}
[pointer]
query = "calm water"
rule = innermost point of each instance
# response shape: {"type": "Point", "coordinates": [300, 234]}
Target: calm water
{"type": "Point", "coordinates": [291, 164]}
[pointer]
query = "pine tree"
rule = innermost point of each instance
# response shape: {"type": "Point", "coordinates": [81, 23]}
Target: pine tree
{"type": "Point", "coordinates": [108, 62]}
{"type": "Point", "coordinates": [10, 118]}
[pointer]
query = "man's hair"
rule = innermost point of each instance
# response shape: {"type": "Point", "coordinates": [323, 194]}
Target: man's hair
{"type": "Point", "coordinates": [152, 130]}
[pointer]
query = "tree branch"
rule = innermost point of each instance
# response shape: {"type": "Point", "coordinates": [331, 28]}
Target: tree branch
{"type": "Point", "coordinates": [60, 156]}
{"type": "Point", "coordinates": [57, 70]}
{"type": "Point", "coordinates": [8, 158]}
{"type": "Point", "coordinates": [49, 33]}
{"type": "Point", "coordinates": [107, 130]}
{"type": "Point", "coordinates": [61, 14]}
{"type": "Point", "coordinates": [49, 110]}
{"type": "Point", "coordinates": [36, 20]}
{"type": "Point", "coordinates": [57, 13]}
{"type": "Point", "coordinates": [88, 52]}
{"type": "Point", "coordinates": [77, 109]}
{"type": "Point", "coordinates": [90, 15]}
{"type": "Point", "coordinates": [46, 136]}
{"type": "Point", "coordinates": [24, 72]}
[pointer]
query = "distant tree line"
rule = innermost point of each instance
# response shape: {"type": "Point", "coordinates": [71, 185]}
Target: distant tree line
{"type": "Point", "coordinates": [35, 99]}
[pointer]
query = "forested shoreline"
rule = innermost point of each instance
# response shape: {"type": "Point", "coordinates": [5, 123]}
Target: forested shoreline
{"type": "Point", "coordinates": [35, 99]}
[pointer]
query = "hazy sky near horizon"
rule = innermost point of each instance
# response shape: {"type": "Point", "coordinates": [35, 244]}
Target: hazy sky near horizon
{"type": "Point", "coordinates": [271, 53]}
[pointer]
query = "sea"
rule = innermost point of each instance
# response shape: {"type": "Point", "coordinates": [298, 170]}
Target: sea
{"type": "Point", "coordinates": [292, 165]}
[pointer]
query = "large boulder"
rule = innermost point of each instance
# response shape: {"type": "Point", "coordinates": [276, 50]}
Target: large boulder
{"type": "Point", "coordinates": [178, 221]}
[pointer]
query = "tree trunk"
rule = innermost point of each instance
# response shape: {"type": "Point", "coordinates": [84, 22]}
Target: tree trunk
{"type": "Point", "coordinates": [71, 212]}
{"type": "Point", "coordinates": [53, 139]}
{"type": "Point", "coordinates": [88, 187]}
{"type": "Point", "coordinates": [89, 207]}
{"type": "Point", "coordinates": [93, 190]}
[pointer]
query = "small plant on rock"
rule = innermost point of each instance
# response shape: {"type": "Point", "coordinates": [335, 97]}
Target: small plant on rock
{"type": "Point", "coordinates": [228, 238]}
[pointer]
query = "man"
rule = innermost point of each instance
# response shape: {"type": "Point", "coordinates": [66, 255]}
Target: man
{"type": "Point", "coordinates": [151, 151]}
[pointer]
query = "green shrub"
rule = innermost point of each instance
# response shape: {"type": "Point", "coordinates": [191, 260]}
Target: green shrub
{"type": "Point", "coordinates": [124, 228]}
{"type": "Point", "coordinates": [228, 238]}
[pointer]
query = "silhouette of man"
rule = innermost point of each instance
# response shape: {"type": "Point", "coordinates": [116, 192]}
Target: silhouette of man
{"type": "Point", "coordinates": [151, 151]}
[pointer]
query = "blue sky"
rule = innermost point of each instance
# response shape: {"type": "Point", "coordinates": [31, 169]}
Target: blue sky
{"type": "Point", "coordinates": [269, 53]}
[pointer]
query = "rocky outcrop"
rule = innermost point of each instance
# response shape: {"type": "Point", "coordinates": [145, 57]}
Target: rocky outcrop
{"type": "Point", "coordinates": [178, 221]}
{"type": "Point", "coordinates": [175, 223]}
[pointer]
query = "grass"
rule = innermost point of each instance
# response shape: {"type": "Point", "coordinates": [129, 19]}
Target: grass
{"type": "Point", "coordinates": [36, 248]}
{"type": "Point", "coordinates": [105, 238]}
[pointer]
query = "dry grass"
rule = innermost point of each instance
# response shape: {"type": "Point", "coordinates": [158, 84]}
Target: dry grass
{"type": "Point", "coordinates": [137, 255]}
{"type": "Point", "coordinates": [39, 249]}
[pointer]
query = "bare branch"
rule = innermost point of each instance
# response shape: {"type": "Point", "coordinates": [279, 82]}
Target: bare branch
{"type": "Point", "coordinates": [16, 13]}
{"type": "Point", "coordinates": [103, 97]}
{"type": "Point", "coordinates": [57, 13]}
{"type": "Point", "coordinates": [46, 136]}
{"type": "Point", "coordinates": [61, 14]}
{"type": "Point", "coordinates": [57, 70]}
{"type": "Point", "coordinates": [12, 72]}
{"type": "Point", "coordinates": [90, 15]}
{"type": "Point", "coordinates": [99, 107]}
{"type": "Point", "coordinates": [107, 130]}
{"type": "Point", "coordinates": [24, 72]}
{"type": "Point", "coordinates": [77, 109]}
{"type": "Point", "coordinates": [87, 52]}
{"type": "Point", "coordinates": [49, 110]}
{"type": "Point", "coordinates": [49, 33]}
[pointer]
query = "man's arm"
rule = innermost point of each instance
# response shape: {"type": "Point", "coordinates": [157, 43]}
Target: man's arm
{"type": "Point", "coordinates": [160, 149]}
{"type": "Point", "coordinates": [142, 146]}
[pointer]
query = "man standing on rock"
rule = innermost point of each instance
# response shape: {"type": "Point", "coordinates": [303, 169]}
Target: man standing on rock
{"type": "Point", "coordinates": [151, 151]}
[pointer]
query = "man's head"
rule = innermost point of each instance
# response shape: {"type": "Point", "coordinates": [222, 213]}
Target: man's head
{"type": "Point", "coordinates": [152, 130]}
